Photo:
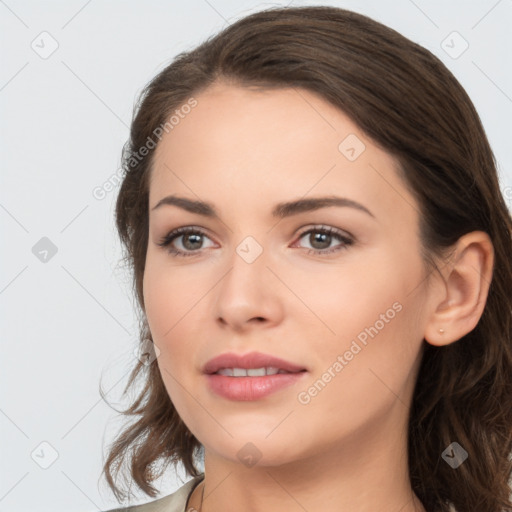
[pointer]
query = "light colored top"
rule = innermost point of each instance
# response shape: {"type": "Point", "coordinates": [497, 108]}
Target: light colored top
{"type": "Point", "coordinates": [175, 502]}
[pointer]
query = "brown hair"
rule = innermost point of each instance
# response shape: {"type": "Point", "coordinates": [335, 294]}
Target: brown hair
{"type": "Point", "coordinates": [408, 103]}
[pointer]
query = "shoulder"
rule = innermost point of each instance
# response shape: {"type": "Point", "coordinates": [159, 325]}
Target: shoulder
{"type": "Point", "coordinates": [175, 502]}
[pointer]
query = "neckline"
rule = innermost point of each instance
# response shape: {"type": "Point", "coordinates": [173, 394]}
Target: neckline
{"type": "Point", "coordinates": [198, 479]}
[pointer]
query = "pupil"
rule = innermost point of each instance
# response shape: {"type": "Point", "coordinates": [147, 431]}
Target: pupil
{"type": "Point", "coordinates": [189, 237]}
{"type": "Point", "coordinates": [322, 238]}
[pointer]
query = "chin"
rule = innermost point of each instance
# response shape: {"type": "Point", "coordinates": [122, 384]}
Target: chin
{"type": "Point", "coordinates": [254, 450]}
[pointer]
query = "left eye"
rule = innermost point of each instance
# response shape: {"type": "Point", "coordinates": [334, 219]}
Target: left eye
{"type": "Point", "coordinates": [322, 238]}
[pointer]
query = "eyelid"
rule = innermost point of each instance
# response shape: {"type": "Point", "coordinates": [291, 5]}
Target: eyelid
{"type": "Point", "coordinates": [325, 227]}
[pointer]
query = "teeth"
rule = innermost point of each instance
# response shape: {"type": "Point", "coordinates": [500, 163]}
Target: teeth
{"type": "Point", "coordinates": [250, 372]}
{"type": "Point", "coordinates": [256, 372]}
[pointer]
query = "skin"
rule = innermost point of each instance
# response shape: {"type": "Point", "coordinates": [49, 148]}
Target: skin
{"type": "Point", "coordinates": [244, 151]}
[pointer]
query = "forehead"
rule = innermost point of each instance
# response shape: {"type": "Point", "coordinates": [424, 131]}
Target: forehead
{"type": "Point", "coordinates": [232, 119]}
{"type": "Point", "coordinates": [279, 143]}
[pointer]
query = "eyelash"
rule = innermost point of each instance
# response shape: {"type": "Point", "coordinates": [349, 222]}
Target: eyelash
{"type": "Point", "coordinates": [170, 237]}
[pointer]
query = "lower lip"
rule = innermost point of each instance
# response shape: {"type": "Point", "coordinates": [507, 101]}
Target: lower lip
{"type": "Point", "coordinates": [251, 388]}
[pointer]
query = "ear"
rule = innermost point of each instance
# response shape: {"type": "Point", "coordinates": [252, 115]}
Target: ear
{"type": "Point", "coordinates": [466, 279]}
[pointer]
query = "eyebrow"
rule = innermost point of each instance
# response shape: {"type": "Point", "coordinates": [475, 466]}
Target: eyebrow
{"type": "Point", "coordinates": [281, 210]}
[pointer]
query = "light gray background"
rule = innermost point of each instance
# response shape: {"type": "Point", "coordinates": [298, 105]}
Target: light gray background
{"type": "Point", "coordinates": [69, 322]}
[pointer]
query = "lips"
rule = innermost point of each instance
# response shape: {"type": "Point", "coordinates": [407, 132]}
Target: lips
{"type": "Point", "coordinates": [249, 361]}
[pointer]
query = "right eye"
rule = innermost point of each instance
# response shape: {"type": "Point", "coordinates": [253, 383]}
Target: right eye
{"type": "Point", "coordinates": [191, 243]}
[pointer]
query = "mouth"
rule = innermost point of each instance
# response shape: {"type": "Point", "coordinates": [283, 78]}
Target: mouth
{"type": "Point", "coordinates": [252, 364]}
{"type": "Point", "coordinates": [251, 377]}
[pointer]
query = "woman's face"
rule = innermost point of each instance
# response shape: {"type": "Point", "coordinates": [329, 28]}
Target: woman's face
{"type": "Point", "coordinates": [352, 314]}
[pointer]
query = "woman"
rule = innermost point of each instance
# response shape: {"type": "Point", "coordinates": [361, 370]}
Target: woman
{"type": "Point", "coordinates": [321, 255]}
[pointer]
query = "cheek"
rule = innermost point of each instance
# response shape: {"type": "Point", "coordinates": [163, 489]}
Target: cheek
{"type": "Point", "coordinates": [168, 297]}
{"type": "Point", "coordinates": [357, 383]}
{"type": "Point", "coordinates": [377, 334]}
{"type": "Point", "coordinates": [165, 305]}
{"type": "Point", "coordinates": [173, 310]}
{"type": "Point", "coordinates": [157, 302]}
{"type": "Point", "coordinates": [350, 299]}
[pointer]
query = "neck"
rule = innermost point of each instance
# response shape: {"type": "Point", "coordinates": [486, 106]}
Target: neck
{"type": "Point", "coordinates": [359, 476]}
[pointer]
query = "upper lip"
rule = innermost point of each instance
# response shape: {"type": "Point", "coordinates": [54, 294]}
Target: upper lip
{"type": "Point", "coordinates": [250, 360]}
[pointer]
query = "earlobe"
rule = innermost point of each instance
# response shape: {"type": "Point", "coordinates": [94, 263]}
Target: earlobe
{"type": "Point", "coordinates": [467, 279]}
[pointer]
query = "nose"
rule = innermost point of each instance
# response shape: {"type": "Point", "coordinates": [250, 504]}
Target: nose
{"type": "Point", "coordinates": [249, 295]}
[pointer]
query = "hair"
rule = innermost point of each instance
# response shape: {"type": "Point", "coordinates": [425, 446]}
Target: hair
{"type": "Point", "coordinates": [408, 103]}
